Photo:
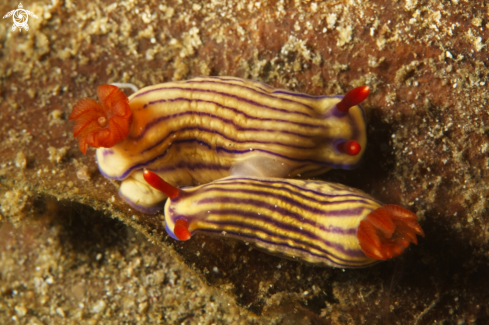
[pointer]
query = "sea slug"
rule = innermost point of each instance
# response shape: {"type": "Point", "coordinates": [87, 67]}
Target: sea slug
{"type": "Point", "coordinates": [312, 221]}
{"type": "Point", "coordinates": [196, 131]}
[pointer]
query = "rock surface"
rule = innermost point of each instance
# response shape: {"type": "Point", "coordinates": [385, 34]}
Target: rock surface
{"type": "Point", "coordinates": [428, 136]}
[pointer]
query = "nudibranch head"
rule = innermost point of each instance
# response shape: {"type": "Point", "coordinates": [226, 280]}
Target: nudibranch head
{"type": "Point", "coordinates": [387, 231]}
{"type": "Point", "coordinates": [104, 123]}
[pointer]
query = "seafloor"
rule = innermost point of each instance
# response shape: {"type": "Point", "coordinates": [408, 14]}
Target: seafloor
{"type": "Point", "coordinates": [71, 252]}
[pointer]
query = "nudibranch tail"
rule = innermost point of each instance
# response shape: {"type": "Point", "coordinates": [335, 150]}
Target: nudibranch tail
{"type": "Point", "coordinates": [387, 231]}
{"type": "Point", "coordinates": [104, 123]}
{"type": "Point", "coordinates": [351, 147]}
{"type": "Point", "coordinates": [353, 98]}
{"type": "Point", "coordinates": [158, 183]}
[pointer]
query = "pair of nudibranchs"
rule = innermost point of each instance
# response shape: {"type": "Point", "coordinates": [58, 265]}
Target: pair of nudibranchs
{"type": "Point", "coordinates": [244, 140]}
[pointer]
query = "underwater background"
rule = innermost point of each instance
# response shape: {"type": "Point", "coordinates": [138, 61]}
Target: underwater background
{"type": "Point", "coordinates": [72, 252]}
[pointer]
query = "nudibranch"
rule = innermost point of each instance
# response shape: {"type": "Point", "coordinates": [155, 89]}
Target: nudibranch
{"type": "Point", "coordinates": [307, 220]}
{"type": "Point", "coordinates": [196, 131]}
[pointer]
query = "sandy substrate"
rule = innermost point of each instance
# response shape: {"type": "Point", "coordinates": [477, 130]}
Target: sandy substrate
{"type": "Point", "coordinates": [67, 264]}
{"type": "Point", "coordinates": [428, 151]}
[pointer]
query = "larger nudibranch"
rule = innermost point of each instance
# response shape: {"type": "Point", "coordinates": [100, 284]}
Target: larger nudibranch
{"type": "Point", "coordinates": [196, 131]}
{"type": "Point", "coordinates": [313, 221]}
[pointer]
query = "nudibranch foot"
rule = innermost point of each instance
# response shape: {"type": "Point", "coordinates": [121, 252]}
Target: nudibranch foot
{"type": "Point", "coordinates": [104, 123]}
{"type": "Point", "coordinates": [140, 195]}
{"type": "Point", "coordinates": [387, 231]}
{"type": "Point", "coordinates": [353, 98]}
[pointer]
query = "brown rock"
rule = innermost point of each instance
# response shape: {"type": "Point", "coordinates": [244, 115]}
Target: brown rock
{"type": "Point", "coordinates": [428, 133]}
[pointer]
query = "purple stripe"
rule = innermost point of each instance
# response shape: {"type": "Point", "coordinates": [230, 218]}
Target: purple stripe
{"type": "Point", "coordinates": [279, 225]}
{"type": "Point", "coordinates": [225, 137]}
{"type": "Point", "coordinates": [256, 83]}
{"type": "Point", "coordinates": [346, 264]}
{"type": "Point", "coordinates": [274, 91]}
{"type": "Point", "coordinates": [262, 92]}
{"type": "Point", "coordinates": [334, 246]}
{"type": "Point", "coordinates": [350, 213]}
{"type": "Point", "coordinates": [107, 152]}
{"type": "Point", "coordinates": [223, 78]}
{"type": "Point", "coordinates": [176, 99]}
{"type": "Point", "coordinates": [228, 121]}
{"type": "Point", "coordinates": [302, 95]}
{"type": "Point", "coordinates": [292, 201]}
{"type": "Point", "coordinates": [225, 94]}
{"type": "Point", "coordinates": [180, 165]}
{"type": "Point", "coordinates": [312, 161]}
{"type": "Point", "coordinates": [259, 183]}
{"type": "Point", "coordinates": [235, 152]}
{"type": "Point", "coordinates": [202, 78]}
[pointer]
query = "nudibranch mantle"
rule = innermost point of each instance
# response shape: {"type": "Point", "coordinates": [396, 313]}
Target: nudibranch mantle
{"type": "Point", "coordinates": [196, 131]}
{"type": "Point", "coordinates": [312, 221]}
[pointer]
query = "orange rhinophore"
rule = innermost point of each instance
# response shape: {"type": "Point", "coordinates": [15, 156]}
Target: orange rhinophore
{"type": "Point", "coordinates": [158, 183]}
{"type": "Point", "coordinates": [386, 232]}
{"type": "Point", "coordinates": [181, 230]}
{"type": "Point", "coordinates": [352, 98]}
{"type": "Point", "coordinates": [104, 123]}
{"type": "Point", "coordinates": [181, 226]}
{"type": "Point", "coordinates": [351, 147]}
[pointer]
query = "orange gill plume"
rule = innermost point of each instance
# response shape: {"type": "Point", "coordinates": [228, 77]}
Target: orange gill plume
{"type": "Point", "coordinates": [104, 123]}
{"type": "Point", "coordinates": [387, 231]}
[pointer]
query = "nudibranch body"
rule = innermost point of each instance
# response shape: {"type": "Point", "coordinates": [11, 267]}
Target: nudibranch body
{"type": "Point", "coordinates": [312, 221]}
{"type": "Point", "coordinates": [196, 131]}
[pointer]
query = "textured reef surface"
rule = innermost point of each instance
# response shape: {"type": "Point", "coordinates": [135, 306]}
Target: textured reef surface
{"type": "Point", "coordinates": [428, 147]}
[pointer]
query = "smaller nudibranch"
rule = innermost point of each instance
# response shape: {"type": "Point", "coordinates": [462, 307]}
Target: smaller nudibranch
{"type": "Point", "coordinates": [312, 221]}
{"type": "Point", "coordinates": [102, 124]}
{"type": "Point", "coordinates": [196, 131]}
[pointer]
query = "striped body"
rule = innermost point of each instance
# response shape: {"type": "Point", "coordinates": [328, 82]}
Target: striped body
{"type": "Point", "coordinates": [312, 221]}
{"type": "Point", "coordinates": [196, 131]}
